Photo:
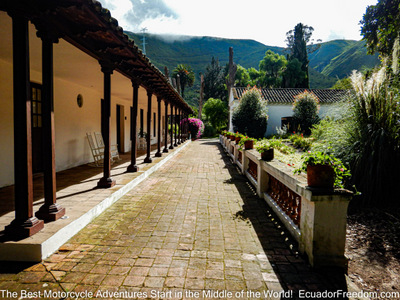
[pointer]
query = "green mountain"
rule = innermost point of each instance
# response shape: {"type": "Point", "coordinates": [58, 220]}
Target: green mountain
{"type": "Point", "coordinates": [334, 59]}
{"type": "Point", "coordinates": [197, 51]}
{"type": "Point", "coordinates": [352, 58]}
{"type": "Point", "coordinates": [327, 51]}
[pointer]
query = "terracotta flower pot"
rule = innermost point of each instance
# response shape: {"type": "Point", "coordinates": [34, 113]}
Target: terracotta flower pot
{"type": "Point", "coordinates": [268, 155]}
{"type": "Point", "coordinates": [248, 145]}
{"type": "Point", "coordinates": [233, 137]}
{"type": "Point", "coordinates": [237, 139]}
{"type": "Point", "coordinates": [320, 176]}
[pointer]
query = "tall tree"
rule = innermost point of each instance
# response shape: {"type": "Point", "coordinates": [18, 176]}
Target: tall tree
{"type": "Point", "coordinates": [185, 75]}
{"type": "Point", "coordinates": [242, 77]}
{"type": "Point", "coordinates": [271, 67]}
{"type": "Point", "coordinates": [292, 74]}
{"type": "Point", "coordinates": [214, 80]}
{"type": "Point", "coordinates": [297, 40]}
{"type": "Point", "coordinates": [380, 26]}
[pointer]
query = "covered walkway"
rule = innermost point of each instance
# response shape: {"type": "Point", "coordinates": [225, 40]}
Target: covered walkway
{"type": "Point", "coordinates": [193, 225]}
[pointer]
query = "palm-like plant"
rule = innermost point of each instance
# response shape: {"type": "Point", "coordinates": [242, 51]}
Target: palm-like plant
{"type": "Point", "coordinates": [186, 76]}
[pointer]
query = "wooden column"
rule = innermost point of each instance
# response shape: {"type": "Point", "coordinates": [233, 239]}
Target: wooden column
{"type": "Point", "coordinates": [176, 124]}
{"type": "Point", "coordinates": [182, 126]}
{"type": "Point", "coordinates": [172, 130]}
{"type": "Point", "coordinates": [186, 127]}
{"type": "Point", "coordinates": [25, 223]}
{"type": "Point", "coordinates": [148, 139]}
{"type": "Point", "coordinates": [50, 210]}
{"type": "Point", "coordinates": [180, 129]}
{"type": "Point", "coordinates": [106, 181]}
{"type": "Point", "coordinates": [158, 154]}
{"type": "Point", "coordinates": [133, 167]}
{"type": "Point", "coordinates": [165, 150]}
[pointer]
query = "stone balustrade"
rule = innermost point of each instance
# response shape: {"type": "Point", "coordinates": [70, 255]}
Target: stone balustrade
{"type": "Point", "coordinates": [315, 218]}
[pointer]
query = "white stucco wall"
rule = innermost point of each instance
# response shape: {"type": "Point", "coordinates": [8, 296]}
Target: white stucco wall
{"type": "Point", "coordinates": [6, 125]}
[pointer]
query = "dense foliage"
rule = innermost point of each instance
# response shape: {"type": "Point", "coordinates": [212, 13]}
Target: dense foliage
{"type": "Point", "coordinates": [305, 111]}
{"type": "Point", "coordinates": [216, 112]}
{"type": "Point", "coordinates": [196, 127]}
{"type": "Point", "coordinates": [365, 135]}
{"type": "Point", "coordinates": [214, 79]}
{"type": "Point", "coordinates": [381, 26]}
{"type": "Point", "coordinates": [250, 117]}
{"type": "Point", "coordinates": [297, 40]}
{"type": "Point", "coordinates": [271, 67]}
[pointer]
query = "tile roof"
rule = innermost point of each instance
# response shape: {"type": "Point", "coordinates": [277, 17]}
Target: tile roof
{"type": "Point", "coordinates": [286, 95]}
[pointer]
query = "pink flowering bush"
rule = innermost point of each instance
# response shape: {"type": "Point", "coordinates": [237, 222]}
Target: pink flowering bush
{"type": "Point", "coordinates": [196, 127]}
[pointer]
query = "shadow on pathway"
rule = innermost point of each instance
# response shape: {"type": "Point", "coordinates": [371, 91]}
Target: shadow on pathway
{"type": "Point", "coordinates": [292, 272]}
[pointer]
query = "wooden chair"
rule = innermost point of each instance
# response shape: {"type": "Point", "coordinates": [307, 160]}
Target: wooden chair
{"type": "Point", "coordinates": [97, 152]}
{"type": "Point", "coordinates": [141, 143]}
{"type": "Point", "coordinates": [114, 148]}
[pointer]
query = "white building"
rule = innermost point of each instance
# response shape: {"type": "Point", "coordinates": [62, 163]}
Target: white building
{"type": "Point", "coordinates": [280, 103]}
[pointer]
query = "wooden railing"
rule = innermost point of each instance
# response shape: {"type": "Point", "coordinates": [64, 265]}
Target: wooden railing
{"type": "Point", "coordinates": [288, 201]}
{"type": "Point", "coordinates": [252, 170]}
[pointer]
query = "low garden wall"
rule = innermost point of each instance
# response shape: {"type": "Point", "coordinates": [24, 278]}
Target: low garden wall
{"type": "Point", "coordinates": [315, 218]}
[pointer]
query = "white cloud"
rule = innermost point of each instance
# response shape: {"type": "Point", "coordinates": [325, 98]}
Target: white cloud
{"type": "Point", "coordinates": [266, 21]}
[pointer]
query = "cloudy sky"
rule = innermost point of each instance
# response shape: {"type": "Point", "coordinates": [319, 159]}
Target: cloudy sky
{"type": "Point", "coordinates": [266, 21]}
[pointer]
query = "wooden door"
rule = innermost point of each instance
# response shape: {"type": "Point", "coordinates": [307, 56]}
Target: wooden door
{"type": "Point", "coordinates": [37, 133]}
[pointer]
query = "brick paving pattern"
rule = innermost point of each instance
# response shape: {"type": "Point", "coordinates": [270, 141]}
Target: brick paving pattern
{"type": "Point", "coordinates": [195, 225]}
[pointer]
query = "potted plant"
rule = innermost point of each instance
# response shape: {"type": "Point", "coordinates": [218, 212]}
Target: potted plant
{"type": "Point", "coordinates": [323, 170]}
{"type": "Point", "coordinates": [246, 142]}
{"type": "Point", "coordinates": [266, 149]}
{"type": "Point", "coordinates": [232, 136]}
{"type": "Point", "coordinates": [238, 137]}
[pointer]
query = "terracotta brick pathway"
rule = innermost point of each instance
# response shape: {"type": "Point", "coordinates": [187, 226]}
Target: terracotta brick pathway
{"type": "Point", "coordinates": [194, 225]}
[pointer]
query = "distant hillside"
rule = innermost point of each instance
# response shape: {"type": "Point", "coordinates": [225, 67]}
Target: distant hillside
{"type": "Point", "coordinates": [197, 51]}
{"type": "Point", "coordinates": [327, 51]}
{"type": "Point", "coordinates": [334, 59]}
{"type": "Point", "coordinates": [352, 58]}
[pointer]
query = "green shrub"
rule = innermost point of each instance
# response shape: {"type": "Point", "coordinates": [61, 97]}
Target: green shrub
{"type": "Point", "coordinates": [305, 111]}
{"type": "Point", "coordinates": [299, 141]}
{"type": "Point", "coordinates": [216, 112]}
{"type": "Point", "coordinates": [250, 117]}
{"type": "Point", "coordinates": [175, 128]}
{"type": "Point", "coordinates": [209, 130]}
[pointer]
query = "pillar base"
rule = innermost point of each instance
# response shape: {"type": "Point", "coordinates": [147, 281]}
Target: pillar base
{"type": "Point", "coordinates": [106, 183]}
{"type": "Point", "coordinates": [148, 160]}
{"type": "Point", "coordinates": [175, 145]}
{"type": "Point", "coordinates": [132, 168]}
{"type": "Point", "coordinates": [171, 147]}
{"type": "Point", "coordinates": [23, 230]}
{"type": "Point", "coordinates": [165, 150]}
{"type": "Point", "coordinates": [50, 213]}
{"type": "Point", "coordinates": [158, 154]}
